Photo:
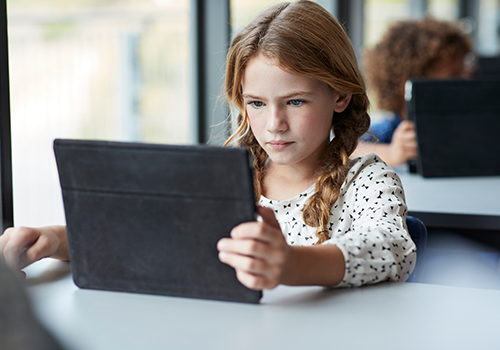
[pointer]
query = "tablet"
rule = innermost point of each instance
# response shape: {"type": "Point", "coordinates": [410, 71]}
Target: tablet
{"type": "Point", "coordinates": [146, 218]}
{"type": "Point", "coordinates": [457, 124]}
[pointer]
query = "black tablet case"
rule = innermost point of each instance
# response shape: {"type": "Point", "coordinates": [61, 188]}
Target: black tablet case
{"type": "Point", "coordinates": [458, 126]}
{"type": "Point", "coordinates": [146, 218]}
{"type": "Point", "coordinates": [487, 67]}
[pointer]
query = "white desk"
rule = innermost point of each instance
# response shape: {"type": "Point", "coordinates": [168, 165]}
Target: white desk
{"type": "Point", "coordinates": [461, 202]}
{"type": "Point", "coordinates": [386, 316]}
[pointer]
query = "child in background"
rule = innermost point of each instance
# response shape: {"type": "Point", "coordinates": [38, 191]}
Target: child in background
{"type": "Point", "coordinates": [327, 219]}
{"type": "Point", "coordinates": [414, 48]}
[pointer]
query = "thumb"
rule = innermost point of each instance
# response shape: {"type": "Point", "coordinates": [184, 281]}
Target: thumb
{"type": "Point", "coordinates": [268, 216]}
{"type": "Point", "coordinates": [407, 125]}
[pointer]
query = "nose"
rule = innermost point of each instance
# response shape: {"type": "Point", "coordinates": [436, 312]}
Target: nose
{"type": "Point", "coordinates": [277, 120]}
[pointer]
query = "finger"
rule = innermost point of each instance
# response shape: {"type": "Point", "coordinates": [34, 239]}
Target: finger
{"type": "Point", "coordinates": [268, 216]}
{"type": "Point", "coordinates": [4, 238]}
{"type": "Point", "coordinates": [250, 265]}
{"type": "Point", "coordinates": [409, 135]}
{"type": "Point", "coordinates": [252, 248]}
{"type": "Point", "coordinates": [12, 254]}
{"type": "Point", "coordinates": [406, 136]}
{"type": "Point", "coordinates": [255, 282]}
{"type": "Point", "coordinates": [249, 247]}
{"type": "Point", "coordinates": [408, 152]}
{"type": "Point", "coordinates": [266, 230]}
{"type": "Point", "coordinates": [407, 125]}
{"type": "Point", "coordinates": [255, 230]}
{"type": "Point", "coordinates": [242, 262]}
{"type": "Point", "coordinates": [16, 245]}
{"type": "Point", "coordinates": [401, 139]}
{"type": "Point", "coordinates": [409, 145]}
{"type": "Point", "coordinates": [42, 248]}
{"type": "Point", "coordinates": [406, 139]}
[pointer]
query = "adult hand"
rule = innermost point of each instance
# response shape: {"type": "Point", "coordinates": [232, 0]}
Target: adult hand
{"type": "Point", "coordinates": [257, 250]}
{"type": "Point", "coordinates": [21, 246]}
{"type": "Point", "coordinates": [404, 143]}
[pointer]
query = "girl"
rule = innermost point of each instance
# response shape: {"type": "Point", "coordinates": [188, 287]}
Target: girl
{"type": "Point", "coordinates": [325, 219]}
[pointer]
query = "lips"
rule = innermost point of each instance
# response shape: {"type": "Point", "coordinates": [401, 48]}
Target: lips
{"type": "Point", "coordinates": [279, 144]}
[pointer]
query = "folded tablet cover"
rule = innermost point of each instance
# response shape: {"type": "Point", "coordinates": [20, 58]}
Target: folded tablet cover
{"type": "Point", "coordinates": [146, 218]}
{"type": "Point", "coordinates": [487, 67]}
{"type": "Point", "coordinates": [458, 126]}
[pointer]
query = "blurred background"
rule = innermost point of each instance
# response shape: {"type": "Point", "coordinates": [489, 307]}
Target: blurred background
{"type": "Point", "coordinates": [123, 70]}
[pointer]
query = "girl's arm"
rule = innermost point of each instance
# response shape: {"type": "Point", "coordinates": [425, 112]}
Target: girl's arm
{"type": "Point", "coordinates": [263, 259]}
{"type": "Point", "coordinates": [21, 246]}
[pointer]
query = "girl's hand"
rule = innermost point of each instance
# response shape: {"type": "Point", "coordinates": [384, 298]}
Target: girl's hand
{"type": "Point", "coordinates": [21, 246]}
{"type": "Point", "coordinates": [257, 250]}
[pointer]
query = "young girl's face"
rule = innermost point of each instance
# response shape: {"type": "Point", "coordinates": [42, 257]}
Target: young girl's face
{"type": "Point", "coordinates": [290, 115]}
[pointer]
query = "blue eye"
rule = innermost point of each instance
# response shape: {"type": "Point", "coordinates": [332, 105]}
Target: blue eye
{"type": "Point", "coordinates": [256, 104]}
{"type": "Point", "coordinates": [296, 103]}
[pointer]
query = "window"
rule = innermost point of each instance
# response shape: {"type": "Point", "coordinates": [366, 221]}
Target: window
{"type": "Point", "coordinates": [121, 70]}
{"type": "Point", "coordinates": [379, 14]}
{"type": "Point", "coordinates": [244, 11]}
{"type": "Point", "coordinates": [114, 70]}
{"type": "Point", "coordinates": [488, 28]}
{"type": "Point", "coordinates": [444, 9]}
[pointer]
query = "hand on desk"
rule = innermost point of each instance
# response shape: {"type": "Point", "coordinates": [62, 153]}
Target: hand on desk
{"type": "Point", "coordinates": [22, 246]}
{"type": "Point", "coordinates": [257, 250]}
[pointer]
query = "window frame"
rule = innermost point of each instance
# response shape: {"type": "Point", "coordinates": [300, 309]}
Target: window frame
{"type": "Point", "coordinates": [6, 206]}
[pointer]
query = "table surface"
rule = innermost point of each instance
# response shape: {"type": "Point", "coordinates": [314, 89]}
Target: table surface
{"type": "Point", "coordinates": [384, 316]}
{"type": "Point", "coordinates": [466, 202]}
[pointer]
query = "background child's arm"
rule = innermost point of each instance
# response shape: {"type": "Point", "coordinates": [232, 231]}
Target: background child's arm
{"type": "Point", "coordinates": [263, 259]}
{"type": "Point", "coordinates": [403, 146]}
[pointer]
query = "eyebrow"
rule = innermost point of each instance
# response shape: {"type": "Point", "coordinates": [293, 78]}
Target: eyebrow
{"type": "Point", "coordinates": [290, 95]}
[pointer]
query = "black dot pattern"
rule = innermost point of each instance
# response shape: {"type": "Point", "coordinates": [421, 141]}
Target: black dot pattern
{"type": "Point", "coordinates": [368, 224]}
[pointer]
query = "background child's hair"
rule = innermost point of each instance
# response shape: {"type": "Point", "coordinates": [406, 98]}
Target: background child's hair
{"type": "Point", "coordinates": [410, 49]}
{"type": "Point", "coordinates": [303, 39]}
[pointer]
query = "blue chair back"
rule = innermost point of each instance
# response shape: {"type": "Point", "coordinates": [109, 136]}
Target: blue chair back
{"type": "Point", "coordinates": [418, 233]}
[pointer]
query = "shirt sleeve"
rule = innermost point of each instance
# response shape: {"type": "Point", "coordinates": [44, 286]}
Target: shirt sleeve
{"type": "Point", "coordinates": [377, 246]}
{"type": "Point", "coordinates": [383, 130]}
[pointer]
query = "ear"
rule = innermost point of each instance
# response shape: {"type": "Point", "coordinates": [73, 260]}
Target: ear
{"type": "Point", "coordinates": [342, 102]}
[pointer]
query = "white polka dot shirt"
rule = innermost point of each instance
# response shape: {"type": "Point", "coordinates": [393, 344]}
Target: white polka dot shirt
{"type": "Point", "coordinates": [367, 223]}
